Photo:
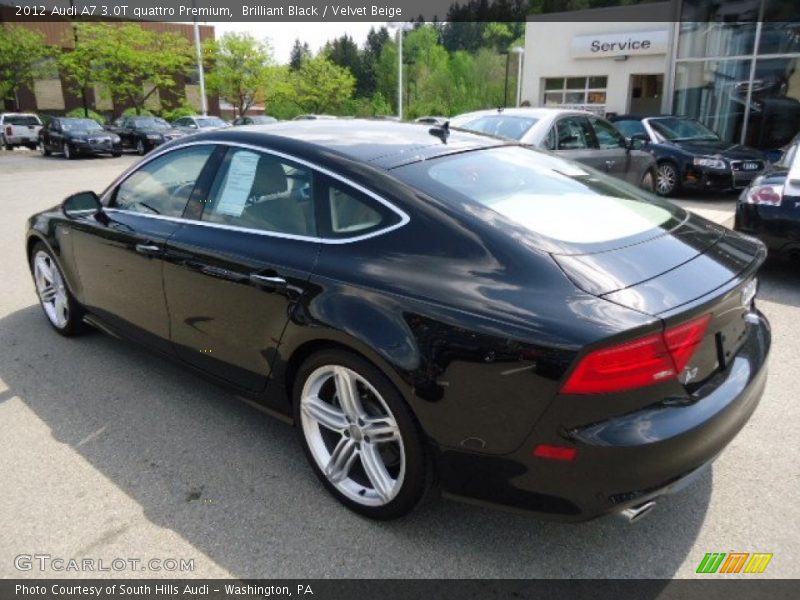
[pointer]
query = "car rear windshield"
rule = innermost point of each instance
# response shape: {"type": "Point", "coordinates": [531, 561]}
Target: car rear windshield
{"type": "Point", "coordinates": [682, 130]}
{"type": "Point", "coordinates": [21, 120]}
{"type": "Point", "coordinates": [504, 126]}
{"type": "Point", "coordinates": [568, 206]}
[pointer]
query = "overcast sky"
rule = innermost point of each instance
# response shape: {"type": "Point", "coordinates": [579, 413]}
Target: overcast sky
{"type": "Point", "coordinates": [282, 35]}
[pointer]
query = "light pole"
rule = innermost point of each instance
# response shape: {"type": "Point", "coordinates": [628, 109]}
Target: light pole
{"type": "Point", "coordinates": [199, 51]}
{"type": "Point", "coordinates": [520, 52]}
{"type": "Point", "coordinates": [401, 27]}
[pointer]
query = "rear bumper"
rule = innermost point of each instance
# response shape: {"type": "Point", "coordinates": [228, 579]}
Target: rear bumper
{"type": "Point", "coordinates": [622, 461]}
{"type": "Point", "coordinates": [774, 226]}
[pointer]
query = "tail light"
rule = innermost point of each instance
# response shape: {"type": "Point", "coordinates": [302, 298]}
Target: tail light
{"type": "Point", "coordinates": [770, 195]}
{"type": "Point", "coordinates": [646, 361]}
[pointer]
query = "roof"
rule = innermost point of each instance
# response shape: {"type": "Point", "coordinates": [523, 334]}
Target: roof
{"type": "Point", "coordinates": [538, 113]}
{"type": "Point", "coordinates": [383, 144]}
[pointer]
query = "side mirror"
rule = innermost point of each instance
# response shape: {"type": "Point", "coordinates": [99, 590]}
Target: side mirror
{"type": "Point", "coordinates": [637, 141]}
{"type": "Point", "coordinates": [81, 204]}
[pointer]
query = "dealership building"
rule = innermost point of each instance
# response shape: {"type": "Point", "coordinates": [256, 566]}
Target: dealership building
{"type": "Point", "coordinates": [733, 65]}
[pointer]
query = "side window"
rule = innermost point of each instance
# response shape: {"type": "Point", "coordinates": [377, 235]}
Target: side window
{"type": "Point", "coordinates": [607, 135]}
{"type": "Point", "coordinates": [631, 127]}
{"type": "Point", "coordinates": [348, 212]}
{"type": "Point", "coordinates": [574, 133]}
{"type": "Point", "coordinates": [163, 186]}
{"type": "Point", "coordinates": [260, 191]}
{"type": "Point", "coordinates": [550, 140]}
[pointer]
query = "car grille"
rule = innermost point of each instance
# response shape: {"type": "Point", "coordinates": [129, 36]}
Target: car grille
{"type": "Point", "coordinates": [100, 141]}
{"type": "Point", "coordinates": [747, 165]}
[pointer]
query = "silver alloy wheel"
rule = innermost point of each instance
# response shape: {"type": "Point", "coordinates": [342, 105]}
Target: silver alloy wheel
{"type": "Point", "coordinates": [666, 179]}
{"type": "Point", "coordinates": [352, 435]}
{"type": "Point", "coordinates": [51, 289]}
{"type": "Point", "coordinates": [140, 148]}
{"type": "Point", "coordinates": [66, 151]}
{"type": "Point", "coordinates": [42, 149]}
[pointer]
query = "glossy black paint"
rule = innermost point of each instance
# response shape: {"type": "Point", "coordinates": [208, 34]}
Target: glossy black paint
{"type": "Point", "coordinates": [476, 327]}
{"type": "Point", "coordinates": [134, 131]}
{"type": "Point", "coordinates": [54, 136]}
{"type": "Point", "coordinates": [693, 177]}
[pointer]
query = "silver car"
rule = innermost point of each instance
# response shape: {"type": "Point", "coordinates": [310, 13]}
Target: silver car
{"type": "Point", "coordinates": [575, 134]}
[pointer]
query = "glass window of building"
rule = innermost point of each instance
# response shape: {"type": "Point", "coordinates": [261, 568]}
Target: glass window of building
{"type": "Point", "coordinates": [572, 91]}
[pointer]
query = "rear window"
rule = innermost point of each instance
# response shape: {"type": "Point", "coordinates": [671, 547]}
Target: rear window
{"type": "Point", "coordinates": [21, 120]}
{"type": "Point", "coordinates": [561, 201]}
{"type": "Point", "coordinates": [505, 126]}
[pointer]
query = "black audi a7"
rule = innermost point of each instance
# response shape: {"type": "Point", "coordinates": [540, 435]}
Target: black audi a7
{"type": "Point", "coordinates": [433, 310]}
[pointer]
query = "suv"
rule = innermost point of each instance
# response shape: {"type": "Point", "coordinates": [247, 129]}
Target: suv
{"type": "Point", "coordinates": [19, 129]}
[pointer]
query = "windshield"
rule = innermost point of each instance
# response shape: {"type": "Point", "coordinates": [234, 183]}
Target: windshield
{"type": "Point", "coordinates": [206, 122]}
{"type": "Point", "coordinates": [504, 126]}
{"type": "Point", "coordinates": [151, 123]}
{"type": "Point", "coordinates": [80, 125]}
{"type": "Point", "coordinates": [559, 200]}
{"type": "Point", "coordinates": [21, 120]}
{"type": "Point", "coordinates": [678, 130]}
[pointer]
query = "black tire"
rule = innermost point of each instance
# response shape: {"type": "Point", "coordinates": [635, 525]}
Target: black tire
{"type": "Point", "coordinates": [33, 147]}
{"type": "Point", "coordinates": [74, 322]}
{"type": "Point", "coordinates": [417, 480]}
{"type": "Point", "coordinates": [668, 180]}
{"type": "Point", "coordinates": [141, 149]}
{"type": "Point", "coordinates": [43, 149]}
{"type": "Point", "coordinates": [67, 151]}
{"type": "Point", "coordinates": [116, 154]}
{"type": "Point", "coordinates": [5, 144]}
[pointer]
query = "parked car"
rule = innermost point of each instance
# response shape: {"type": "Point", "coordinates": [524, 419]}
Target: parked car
{"type": "Point", "coordinates": [254, 120]}
{"type": "Point", "coordinates": [770, 207]}
{"type": "Point", "coordinates": [73, 137]}
{"type": "Point", "coordinates": [577, 135]}
{"type": "Point", "coordinates": [313, 117]}
{"type": "Point", "coordinates": [143, 133]}
{"type": "Point", "coordinates": [198, 123]}
{"type": "Point", "coordinates": [19, 129]}
{"type": "Point", "coordinates": [691, 156]}
{"type": "Point", "coordinates": [427, 306]}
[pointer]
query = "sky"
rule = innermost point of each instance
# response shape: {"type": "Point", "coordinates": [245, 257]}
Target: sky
{"type": "Point", "coordinates": [282, 35]}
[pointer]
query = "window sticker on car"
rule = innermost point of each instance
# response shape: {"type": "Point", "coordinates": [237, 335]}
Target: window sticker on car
{"type": "Point", "coordinates": [238, 183]}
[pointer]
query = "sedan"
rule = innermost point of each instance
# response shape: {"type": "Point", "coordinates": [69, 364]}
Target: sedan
{"type": "Point", "coordinates": [143, 133]}
{"type": "Point", "coordinates": [254, 120]}
{"type": "Point", "coordinates": [691, 156]}
{"type": "Point", "coordinates": [199, 123]}
{"type": "Point", "coordinates": [427, 305]}
{"type": "Point", "coordinates": [577, 135]}
{"type": "Point", "coordinates": [74, 137]}
{"type": "Point", "coordinates": [770, 207]}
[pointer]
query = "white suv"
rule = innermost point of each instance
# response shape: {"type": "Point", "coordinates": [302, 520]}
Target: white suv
{"type": "Point", "coordinates": [19, 129]}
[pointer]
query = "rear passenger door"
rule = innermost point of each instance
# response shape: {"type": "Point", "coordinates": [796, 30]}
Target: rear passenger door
{"type": "Point", "coordinates": [238, 267]}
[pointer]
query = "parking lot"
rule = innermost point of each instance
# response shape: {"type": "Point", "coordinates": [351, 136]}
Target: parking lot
{"type": "Point", "coordinates": [109, 452]}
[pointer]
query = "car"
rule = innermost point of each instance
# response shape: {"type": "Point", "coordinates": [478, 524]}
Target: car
{"type": "Point", "coordinates": [199, 122]}
{"type": "Point", "coordinates": [769, 208]}
{"type": "Point", "coordinates": [143, 133]}
{"type": "Point", "coordinates": [254, 120]}
{"type": "Point", "coordinates": [432, 120]}
{"type": "Point", "coordinates": [574, 134]}
{"type": "Point", "coordinates": [19, 129]}
{"type": "Point", "coordinates": [427, 306]}
{"type": "Point", "coordinates": [74, 137]}
{"type": "Point", "coordinates": [690, 156]}
{"type": "Point", "coordinates": [313, 117]}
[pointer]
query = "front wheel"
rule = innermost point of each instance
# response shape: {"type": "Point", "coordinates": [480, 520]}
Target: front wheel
{"type": "Point", "coordinates": [359, 435]}
{"type": "Point", "coordinates": [67, 151]}
{"type": "Point", "coordinates": [62, 310]}
{"type": "Point", "coordinates": [140, 149]}
{"type": "Point", "coordinates": [667, 179]}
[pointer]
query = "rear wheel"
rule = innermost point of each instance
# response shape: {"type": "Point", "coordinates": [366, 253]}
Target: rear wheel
{"type": "Point", "coordinates": [359, 435]}
{"type": "Point", "coordinates": [61, 309]}
{"type": "Point", "coordinates": [67, 151]}
{"type": "Point", "coordinates": [667, 179]}
{"type": "Point", "coordinates": [43, 149]}
{"type": "Point", "coordinates": [140, 148]}
{"type": "Point", "coordinates": [5, 144]}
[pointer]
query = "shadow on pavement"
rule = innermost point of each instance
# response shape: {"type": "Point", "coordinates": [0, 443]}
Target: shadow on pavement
{"type": "Point", "coordinates": [780, 282]}
{"type": "Point", "coordinates": [234, 483]}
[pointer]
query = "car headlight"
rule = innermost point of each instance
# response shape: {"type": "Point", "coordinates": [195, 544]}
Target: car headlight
{"type": "Point", "coordinates": [711, 163]}
{"type": "Point", "coordinates": [115, 139]}
{"type": "Point", "coordinates": [153, 137]}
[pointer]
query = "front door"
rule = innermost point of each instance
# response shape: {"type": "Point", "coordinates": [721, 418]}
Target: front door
{"type": "Point", "coordinates": [232, 279]}
{"type": "Point", "coordinates": [646, 94]}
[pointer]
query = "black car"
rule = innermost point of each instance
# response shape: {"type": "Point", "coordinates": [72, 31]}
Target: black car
{"type": "Point", "coordinates": [427, 305]}
{"type": "Point", "coordinates": [770, 208]}
{"type": "Point", "coordinates": [254, 120]}
{"type": "Point", "coordinates": [144, 133]}
{"type": "Point", "coordinates": [75, 137]}
{"type": "Point", "coordinates": [691, 156]}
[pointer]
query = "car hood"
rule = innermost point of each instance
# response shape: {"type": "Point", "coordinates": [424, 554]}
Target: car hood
{"type": "Point", "coordinates": [719, 147]}
{"type": "Point", "coordinates": [667, 271]}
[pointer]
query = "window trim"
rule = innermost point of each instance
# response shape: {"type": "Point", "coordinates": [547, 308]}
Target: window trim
{"type": "Point", "coordinates": [404, 218]}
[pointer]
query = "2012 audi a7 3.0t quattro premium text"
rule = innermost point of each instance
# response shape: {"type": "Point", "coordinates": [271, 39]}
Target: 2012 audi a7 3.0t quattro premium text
{"type": "Point", "coordinates": [432, 309]}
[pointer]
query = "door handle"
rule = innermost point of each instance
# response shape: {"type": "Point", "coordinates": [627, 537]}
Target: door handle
{"type": "Point", "coordinates": [148, 249]}
{"type": "Point", "coordinates": [266, 280]}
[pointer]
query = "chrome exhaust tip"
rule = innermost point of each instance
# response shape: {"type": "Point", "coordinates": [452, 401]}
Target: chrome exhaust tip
{"type": "Point", "coordinates": [636, 513]}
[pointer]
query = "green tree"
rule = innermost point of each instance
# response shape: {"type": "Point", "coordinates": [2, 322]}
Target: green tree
{"type": "Point", "coordinates": [24, 57]}
{"type": "Point", "coordinates": [300, 52]}
{"type": "Point", "coordinates": [132, 63]}
{"type": "Point", "coordinates": [242, 69]}
{"type": "Point", "coordinates": [322, 86]}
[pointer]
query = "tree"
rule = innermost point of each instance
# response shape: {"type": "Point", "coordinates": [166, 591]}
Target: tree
{"type": "Point", "coordinates": [241, 69]}
{"type": "Point", "coordinates": [321, 86]}
{"type": "Point", "coordinates": [24, 57]}
{"type": "Point", "coordinates": [300, 52]}
{"type": "Point", "coordinates": [132, 63]}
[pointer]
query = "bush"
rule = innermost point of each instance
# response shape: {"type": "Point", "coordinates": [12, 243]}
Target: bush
{"type": "Point", "coordinates": [173, 114]}
{"type": "Point", "coordinates": [78, 113]}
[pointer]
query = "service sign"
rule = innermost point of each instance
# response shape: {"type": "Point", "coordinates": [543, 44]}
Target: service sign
{"type": "Point", "coordinates": [620, 44]}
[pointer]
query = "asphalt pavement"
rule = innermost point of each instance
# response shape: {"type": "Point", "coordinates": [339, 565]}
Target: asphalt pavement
{"type": "Point", "coordinates": [108, 452]}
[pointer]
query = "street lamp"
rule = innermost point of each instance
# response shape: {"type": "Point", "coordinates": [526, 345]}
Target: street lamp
{"type": "Point", "coordinates": [200, 71]}
{"type": "Point", "coordinates": [520, 52]}
{"type": "Point", "coordinates": [401, 27]}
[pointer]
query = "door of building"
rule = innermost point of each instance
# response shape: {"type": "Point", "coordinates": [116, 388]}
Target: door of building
{"type": "Point", "coordinates": [645, 93]}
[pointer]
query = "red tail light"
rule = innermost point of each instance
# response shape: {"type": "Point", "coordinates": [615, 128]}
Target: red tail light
{"type": "Point", "coordinates": [555, 452]}
{"type": "Point", "coordinates": [765, 194]}
{"type": "Point", "coordinates": [651, 359]}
